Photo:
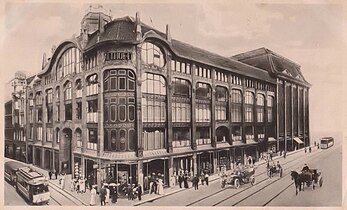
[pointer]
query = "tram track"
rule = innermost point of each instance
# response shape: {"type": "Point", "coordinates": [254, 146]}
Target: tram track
{"type": "Point", "coordinates": [244, 189]}
{"type": "Point", "coordinates": [266, 186]}
{"type": "Point", "coordinates": [77, 203]}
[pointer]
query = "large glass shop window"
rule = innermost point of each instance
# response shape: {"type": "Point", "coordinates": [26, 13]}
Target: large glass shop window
{"type": "Point", "coordinates": [270, 103]}
{"type": "Point", "coordinates": [236, 109]}
{"type": "Point", "coordinates": [181, 104]}
{"type": "Point", "coordinates": [152, 55]}
{"type": "Point", "coordinates": [153, 98]}
{"type": "Point", "coordinates": [249, 101]}
{"type": "Point", "coordinates": [69, 62]}
{"type": "Point", "coordinates": [119, 139]}
{"type": "Point", "coordinates": [260, 107]}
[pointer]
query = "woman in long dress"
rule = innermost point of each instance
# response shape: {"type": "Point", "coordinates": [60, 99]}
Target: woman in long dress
{"type": "Point", "coordinates": [107, 200]}
{"type": "Point", "coordinates": [63, 181]}
{"type": "Point", "coordinates": [160, 187]}
{"type": "Point", "coordinates": [93, 196]}
{"type": "Point", "coordinates": [82, 182]}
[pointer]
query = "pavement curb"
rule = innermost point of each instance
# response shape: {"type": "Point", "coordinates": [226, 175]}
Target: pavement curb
{"type": "Point", "coordinates": [212, 179]}
{"type": "Point", "coordinates": [67, 192]}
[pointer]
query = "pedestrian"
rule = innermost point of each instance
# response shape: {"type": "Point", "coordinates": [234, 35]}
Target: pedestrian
{"type": "Point", "coordinates": [103, 195]}
{"type": "Point", "coordinates": [309, 149]}
{"type": "Point", "coordinates": [129, 190]}
{"type": "Point", "coordinates": [114, 193]}
{"type": "Point", "coordinates": [72, 183]}
{"type": "Point", "coordinates": [185, 180]}
{"type": "Point", "coordinates": [50, 175]}
{"type": "Point", "coordinates": [139, 191]}
{"type": "Point", "coordinates": [133, 191]}
{"type": "Point", "coordinates": [180, 179]}
{"type": "Point", "coordinates": [270, 156]}
{"type": "Point", "coordinates": [56, 174]}
{"type": "Point", "coordinates": [206, 178]}
{"type": "Point", "coordinates": [82, 184]}
{"type": "Point", "coordinates": [202, 177]}
{"type": "Point", "coordinates": [62, 182]}
{"type": "Point", "coordinates": [318, 145]}
{"type": "Point", "coordinates": [196, 182]}
{"type": "Point", "coordinates": [145, 183]}
{"type": "Point", "coordinates": [93, 196]}
{"type": "Point", "coordinates": [107, 200]}
{"type": "Point", "coordinates": [284, 154]}
{"type": "Point", "coordinates": [151, 184]}
{"type": "Point", "coordinates": [160, 186]}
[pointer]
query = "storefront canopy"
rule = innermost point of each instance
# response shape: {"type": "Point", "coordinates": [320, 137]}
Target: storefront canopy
{"type": "Point", "coordinates": [298, 140]}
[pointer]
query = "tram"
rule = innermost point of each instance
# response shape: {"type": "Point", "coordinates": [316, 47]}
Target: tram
{"type": "Point", "coordinates": [326, 142]}
{"type": "Point", "coordinates": [11, 168]}
{"type": "Point", "coordinates": [32, 185]}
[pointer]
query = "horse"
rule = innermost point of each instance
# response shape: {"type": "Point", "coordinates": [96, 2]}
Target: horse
{"type": "Point", "coordinates": [300, 180]}
{"type": "Point", "coordinates": [297, 180]}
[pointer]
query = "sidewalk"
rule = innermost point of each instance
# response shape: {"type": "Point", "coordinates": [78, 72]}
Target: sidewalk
{"type": "Point", "coordinates": [85, 197]}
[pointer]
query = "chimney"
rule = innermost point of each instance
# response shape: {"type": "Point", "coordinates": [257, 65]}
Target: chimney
{"type": "Point", "coordinates": [168, 34]}
{"type": "Point", "coordinates": [138, 27]}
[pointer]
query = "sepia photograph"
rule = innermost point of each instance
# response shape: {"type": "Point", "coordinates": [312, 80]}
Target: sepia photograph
{"type": "Point", "coordinates": [173, 103]}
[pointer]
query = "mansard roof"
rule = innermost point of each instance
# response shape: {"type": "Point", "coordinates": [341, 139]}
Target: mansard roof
{"type": "Point", "coordinates": [273, 63]}
{"type": "Point", "coordinates": [123, 30]}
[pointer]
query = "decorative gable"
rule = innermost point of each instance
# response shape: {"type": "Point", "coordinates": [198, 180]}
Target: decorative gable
{"type": "Point", "coordinates": [287, 72]}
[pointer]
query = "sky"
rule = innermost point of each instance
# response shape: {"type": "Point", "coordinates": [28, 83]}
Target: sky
{"type": "Point", "coordinates": [310, 34]}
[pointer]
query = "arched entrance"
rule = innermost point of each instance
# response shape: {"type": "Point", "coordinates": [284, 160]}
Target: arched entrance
{"type": "Point", "coordinates": [222, 134]}
{"type": "Point", "coordinates": [65, 151]}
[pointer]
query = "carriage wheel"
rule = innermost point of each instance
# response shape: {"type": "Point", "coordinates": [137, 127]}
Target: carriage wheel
{"type": "Point", "coordinates": [252, 181]}
{"type": "Point", "coordinates": [321, 182]}
{"type": "Point", "coordinates": [237, 183]}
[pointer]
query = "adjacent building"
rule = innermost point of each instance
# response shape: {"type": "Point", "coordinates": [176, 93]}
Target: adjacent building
{"type": "Point", "coordinates": [124, 100]}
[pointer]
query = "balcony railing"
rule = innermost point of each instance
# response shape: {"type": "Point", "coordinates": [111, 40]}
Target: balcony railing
{"type": "Point", "coordinates": [236, 138]}
{"type": "Point", "coordinates": [181, 143]}
{"type": "Point", "coordinates": [261, 136]}
{"type": "Point", "coordinates": [92, 146]}
{"type": "Point", "coordinates": [92, 89]}
{"type": "Point", "coordinates": [249, 137]}
{"type": "Point", "coordinates": [203, 141]}
{"type": "Point", "coordinates": [92, 117]}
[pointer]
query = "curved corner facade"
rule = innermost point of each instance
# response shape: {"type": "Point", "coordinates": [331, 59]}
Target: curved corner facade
{"type": "Point", "coordinates": [123, 101]}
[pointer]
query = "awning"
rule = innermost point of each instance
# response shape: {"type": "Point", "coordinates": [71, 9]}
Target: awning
{"type": "Point", "coordinates": [271, 139]}
{"type": "Point", "coordinates": [298, 140]}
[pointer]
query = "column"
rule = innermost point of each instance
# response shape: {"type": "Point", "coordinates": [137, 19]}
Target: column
{"type": "Point", "coordinates": [100, 116]}
{"type": "Point", "coordinates": [193, 104]}
{"type": "Point", "coordinates": [304, 118]}
{"type": "Point", "coordinates": [230, 108]}
{"type": "Point", "coordinates": [277, 115]}
{"type": "Point", "coordinates": [84, 128]}
{"type": "Point", "coordinates": [139, 124]}
{"type": "Point", "coordinates": [308, 116]}
{"type": "Point", "coordinates": [285, 115]}
{"type": "Point", "coordinates": [195, 162]}
{"type": "Point", "coordinates": [243, 109]}
{"type": "Point", "coordinates": [292, 115]}
{"type": "Point", "coordinates": [140, 172]}
{"type": "Point", "coordinates": [171, 172]}
{"type": "Point", "coordinates": [169, 93]}
{"type": "Point", "coordinates": [215, 161]}
{"type": "Point", "coordinates": [213, 110]}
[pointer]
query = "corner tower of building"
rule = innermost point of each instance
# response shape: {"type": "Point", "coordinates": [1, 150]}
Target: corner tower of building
{"type": "Point", "coordinates": [94, 20]}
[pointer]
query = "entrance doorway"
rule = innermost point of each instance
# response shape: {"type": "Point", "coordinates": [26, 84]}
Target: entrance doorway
{"type": "Point", "coordinates": [65, 151]}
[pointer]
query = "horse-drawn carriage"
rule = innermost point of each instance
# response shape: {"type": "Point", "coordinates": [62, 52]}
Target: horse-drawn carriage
{"type": "Point", "coordinates": [274, 169]}
{"type": "Point", "coordinates": [309, 177]}
{"type": "Point", "coordinates": [238, 178]}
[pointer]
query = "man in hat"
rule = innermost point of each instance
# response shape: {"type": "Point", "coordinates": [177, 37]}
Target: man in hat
{"type": "Point", "coordinates": [103, 195]}
{"type": "Point", "coordinates": [139, 191]}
